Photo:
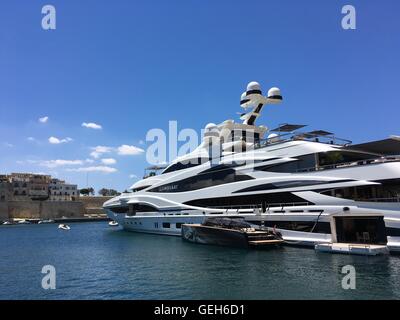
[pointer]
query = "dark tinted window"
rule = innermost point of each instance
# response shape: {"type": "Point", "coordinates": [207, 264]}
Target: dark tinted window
{"type": "Point", "coordinates": [289, 184]}
{"type": "Point", "coordinates": [166, 225]}
{"type": "Point", "coordinates": [251, 200]}
{"type": "Point", "coordinates": [335, 157]}
{"type": "Point", "coordinates": [303, 163]}
{"type": "Point", "coordinates": [302, 226]}
{"type": "Point", "coordinates": [387, 191]}
{"type": "Point", "coordinates": [120, 209]}
{"type": "Point", "coordinates": [203, 180]}
{"type": "Point", "coordinates": [142, 208]}
{"type": "Point", "coordinates": [139, 188]}
{"type": "Point", "coordinates": [184, 165]}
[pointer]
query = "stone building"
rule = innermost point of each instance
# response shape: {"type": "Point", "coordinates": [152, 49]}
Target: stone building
{"type": "Point", "coordinates": [5, 188]}
{"type": "Point", "coordinates": [61, 191]}
{"type": "Point", "coordinates": [19, 185]}
{"type": "Point", "coordinates": [30, 186]}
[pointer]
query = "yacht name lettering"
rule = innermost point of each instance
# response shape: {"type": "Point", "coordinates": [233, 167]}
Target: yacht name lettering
{"type": "Point", "coordinates": [168, 188]}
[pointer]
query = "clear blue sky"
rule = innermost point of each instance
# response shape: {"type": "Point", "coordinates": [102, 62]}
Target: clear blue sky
{"type": "Point", "coordinates": [130, 66]}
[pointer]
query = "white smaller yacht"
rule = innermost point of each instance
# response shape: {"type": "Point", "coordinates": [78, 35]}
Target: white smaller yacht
{"type": "Point", "coordinates": [113, 224]}
{"type": "Point", "coordinates": [63, 226]}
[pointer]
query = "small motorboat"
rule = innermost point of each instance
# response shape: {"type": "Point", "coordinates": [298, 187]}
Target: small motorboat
{"type": "Point", "coordinates": [230, 232]}
{"type": "Point", "coordinates": [64, 226]}
{"type": "Point", "coordinates": [113, 224]}
{"type": "Point", "coordinates": [46, 221]}
{"type": "Point", "coordinates": [23, 221]}
{"type": "Point", "coordinates": [8, 223]}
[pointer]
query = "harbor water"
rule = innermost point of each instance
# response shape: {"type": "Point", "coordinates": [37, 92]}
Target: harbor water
{"type": "Point", "coordinates": [95, 261]}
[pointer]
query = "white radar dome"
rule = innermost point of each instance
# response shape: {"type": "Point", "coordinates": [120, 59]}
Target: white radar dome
{"type": "Point", "coordinates": [273, 137]}
{"type": "Point", "coordinates": [211, 126]}
{"type": "Point", "coordinates": [273, 92]}
{"type": "Point", "coordinates": [253, 86]}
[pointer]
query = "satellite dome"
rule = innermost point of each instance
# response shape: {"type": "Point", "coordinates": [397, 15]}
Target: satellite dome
{"type": "Point", "coordinates": [273, 137]}
{"type": "Point", "coordinates": [211, 126]}
{"type": "Point", "coordinates": [253, 86]}
{"type": "Point", "coordinates": [274, 92]}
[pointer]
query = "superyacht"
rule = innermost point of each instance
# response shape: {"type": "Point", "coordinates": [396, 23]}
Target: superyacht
{"type": "Point", "coordinates": [311, 186]}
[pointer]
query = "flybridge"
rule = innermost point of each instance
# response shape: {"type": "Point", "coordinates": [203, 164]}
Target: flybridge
{"type": "Point", "coordinates": [288, 132]}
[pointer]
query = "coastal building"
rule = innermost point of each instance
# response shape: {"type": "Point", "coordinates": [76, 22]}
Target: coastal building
{"type": "Point", "coordinates": [19, 184]}
{"type": "Point", "coordinates": [5, 188]}
{"type": "Point", "coordinates": [30, 186]}
{"type": "Point", "coordinates": [38, 196]}
{"type": "Point", "coordinates": [61, 191]}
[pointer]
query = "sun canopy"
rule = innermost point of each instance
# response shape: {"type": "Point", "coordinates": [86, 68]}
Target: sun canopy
{"type": "Point", "coordinates": [286, 127]}
{"type": "Point", "coordinates": [320, 133]}
{"type": "Point", "coordinates": [390, 146]}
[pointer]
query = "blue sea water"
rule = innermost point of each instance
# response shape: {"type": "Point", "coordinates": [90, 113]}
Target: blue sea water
{"type": "Point", "coordinates": [94, 261]}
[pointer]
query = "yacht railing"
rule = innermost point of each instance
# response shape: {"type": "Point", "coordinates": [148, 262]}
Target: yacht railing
{"type": "Point", "coordinates": [299, 136]}
{"type": "Point", "coordinates": [392, 199]}
{"type": "Point", "coordinates": [260, 206]}
{"type": "Point", "coordinates": [351, 164]}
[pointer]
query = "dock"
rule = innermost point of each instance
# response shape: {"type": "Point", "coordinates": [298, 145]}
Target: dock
{"type": "Point", "coordinates": [265, 242]}
{"type": "Point", "coordinates": [353, 248]}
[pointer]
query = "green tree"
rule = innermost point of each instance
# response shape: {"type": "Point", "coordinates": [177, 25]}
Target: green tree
{"type": "Point", "coordinates": [103, 192]}
{"type": "Point", "coordinates": [87, 191]}
{"type": "Point", "coordinates": [113, 192]}
{"type": "Point", "coordinates": [84, 192]}
{"type": "Point", "coordinates": [108, 192]}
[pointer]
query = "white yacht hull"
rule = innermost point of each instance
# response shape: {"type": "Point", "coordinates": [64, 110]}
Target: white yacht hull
{"type": "Point", "coordinates": [170, 224]}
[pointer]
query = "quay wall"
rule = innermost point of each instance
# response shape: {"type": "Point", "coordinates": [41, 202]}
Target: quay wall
{"type": "Point", "coordinates": [58, 209]}
{"type": "Point", "coordinates": [44, 209]}
{"type": "Point", "coordinates": [93, 205]}
{"type": "Point", "coordinates": [23, 209]}
{"type": "Point", "coordinates": [28, 209]}
{"type": "Point", "coordinates": [3, 211]}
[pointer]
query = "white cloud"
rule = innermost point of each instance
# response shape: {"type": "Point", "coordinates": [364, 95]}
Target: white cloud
{"type": "Point", "coordinates": [91, 125]}
{"type": "Point", "coordinates": [132, 176]}
{"type": "Point", "coordinates": [31, 139]}
{"type": "Point", "coordinates": [54, 140]}
{"type": "Point", "coordinates": [141, 142]}
{"type": "Point", "coordinates": [8, 145]}
{"type": "Point", "coordinates": [108, 161]}
{"type": "Point", "coordinates": [60, 163]}
{"type": "Point", "coordinates": [126, 150]}
{"type": "Point", "coordinates": [99, 150]}
{"type": "Point", "coordinates": [104, 169]}
{"type": "Point", "coordinates": [44, 119]}
{"type": "Point", "coordinates": [89, 160]}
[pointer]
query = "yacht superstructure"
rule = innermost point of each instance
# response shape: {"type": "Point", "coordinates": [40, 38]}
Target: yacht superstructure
{"type": "Point", "coordinates": [301, 183]}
